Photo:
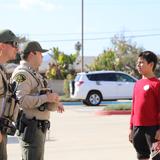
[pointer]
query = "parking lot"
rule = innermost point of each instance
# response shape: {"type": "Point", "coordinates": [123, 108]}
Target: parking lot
{"type": "Point", "coordinates": [79, 134]}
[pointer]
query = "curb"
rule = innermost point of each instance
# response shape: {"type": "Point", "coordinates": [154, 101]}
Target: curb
{"type": "Point", "coordinates": [113, 112]}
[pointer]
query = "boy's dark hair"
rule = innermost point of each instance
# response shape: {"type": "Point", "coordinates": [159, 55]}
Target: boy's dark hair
{"type": "Point", "coordinates": [149, 57]}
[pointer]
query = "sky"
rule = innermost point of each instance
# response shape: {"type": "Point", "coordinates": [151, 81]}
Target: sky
{"type": "Point", "coordinates": [57, 23]}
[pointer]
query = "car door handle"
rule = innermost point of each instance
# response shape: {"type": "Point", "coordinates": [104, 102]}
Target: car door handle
{"type": "Point", "coordinates": [98, 83]}
{"type": "Point", "coordinates": [119, 84]}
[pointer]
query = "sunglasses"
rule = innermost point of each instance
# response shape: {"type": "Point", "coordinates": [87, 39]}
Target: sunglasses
{"type": "Point", "coordinates": [13, 44]}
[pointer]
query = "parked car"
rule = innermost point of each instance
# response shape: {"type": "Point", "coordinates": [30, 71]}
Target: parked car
{"type": "Point", "coordinates": [93, 87]}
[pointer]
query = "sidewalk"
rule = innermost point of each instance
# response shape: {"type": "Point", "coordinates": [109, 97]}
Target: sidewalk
{"type": "Point", "coordinates": [79, 135]}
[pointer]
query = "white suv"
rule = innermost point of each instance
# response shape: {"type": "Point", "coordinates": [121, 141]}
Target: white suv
{"type": "Point", "coordinates": [93, 87]}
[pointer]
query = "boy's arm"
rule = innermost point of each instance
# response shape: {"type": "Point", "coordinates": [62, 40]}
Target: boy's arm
{"type": "Point", "coordinates": [157, 136]}
{"type": "Point", "coordinates": [132, 109]}
{"type": "Point", "coordinates": [158, 99]}
{"type": "Point", "coordinates": [131, 118]}
{"type": "Point", "coordinates": [1, 137]}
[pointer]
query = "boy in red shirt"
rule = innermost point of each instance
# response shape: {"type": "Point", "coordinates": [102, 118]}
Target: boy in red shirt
{"type": "Point", "coordinates": [145, 120]}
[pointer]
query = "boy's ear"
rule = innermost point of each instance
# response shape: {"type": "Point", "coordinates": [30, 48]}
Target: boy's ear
{"type": "Point", "coordinates": [152, 64]}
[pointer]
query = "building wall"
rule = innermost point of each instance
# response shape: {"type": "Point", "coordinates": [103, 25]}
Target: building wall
{"type": "Point", "coordinates": [57, 86]}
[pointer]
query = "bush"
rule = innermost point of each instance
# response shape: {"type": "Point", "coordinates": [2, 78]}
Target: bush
{"type": "Point", "coordinates": [66, 88]}
{"type": "Point", "coordinates": [66, 85]}
{"type": "Point", "coordinates": [124, 106]}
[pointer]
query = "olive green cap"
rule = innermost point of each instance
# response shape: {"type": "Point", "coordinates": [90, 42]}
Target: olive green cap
{"type": "Point", "coordinates": [8, 36]}
{"type": "Point", "coordinates": [32, 46]}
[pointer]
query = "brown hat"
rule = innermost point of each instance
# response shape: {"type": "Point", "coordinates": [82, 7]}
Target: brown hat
{"type": "Point", "coordinates": [8, 36]}
{"type": "Point", "coordinates": [32, 46]}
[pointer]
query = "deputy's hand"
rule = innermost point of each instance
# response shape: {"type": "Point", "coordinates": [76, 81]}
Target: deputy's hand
{"type": "Point", "coordinates": [53, 97]}
{"type": "Point", "coordinates": [60, 108]}
{"type": "Point", "coordinates": [1, 136]}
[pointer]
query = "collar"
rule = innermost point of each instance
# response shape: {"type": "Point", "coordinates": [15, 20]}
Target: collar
{"type": "Point", "coordinates": [27, 65]}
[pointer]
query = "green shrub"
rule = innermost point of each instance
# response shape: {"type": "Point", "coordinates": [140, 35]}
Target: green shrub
{"type": "Point", "coordinates": [66, 85]}
{"type": "Point", "coordinates": [124, 106]}
{"type": "Point", "coordinates": [66, 88]}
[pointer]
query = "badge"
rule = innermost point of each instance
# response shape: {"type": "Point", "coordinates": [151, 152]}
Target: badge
{"type": "Point", "coordinates": [146, 87]}
{"type": "Point", "coordinates": [20, 78]}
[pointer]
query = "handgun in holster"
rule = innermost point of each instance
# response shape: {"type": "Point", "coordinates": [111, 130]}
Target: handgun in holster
{"type": "Point", "coordinates": [19, 123]}
{"type": "Point", "coordinates": [44, 125]}
{"type": "Point", "coordinates": [28, 128]}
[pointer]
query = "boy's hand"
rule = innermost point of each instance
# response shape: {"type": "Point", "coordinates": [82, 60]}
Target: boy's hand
{"type": "Point", "coordinates": [1, 137]}
{"type": "Point", "coordinates": [157, 136]}
{"type": "Point", "coordinates": [156, 146]}
{"type": "Point", "coordinates": [130, 135]}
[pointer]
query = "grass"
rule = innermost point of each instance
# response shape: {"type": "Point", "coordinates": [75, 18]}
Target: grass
{"type": "Point", "coordinates": [121, 106]}
{"type": "Point", "coordinates": [124, 106]}
{"type": "Point", "coordinates": [64, 98]}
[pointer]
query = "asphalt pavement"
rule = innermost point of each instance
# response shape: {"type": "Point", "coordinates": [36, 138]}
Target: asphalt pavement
{"type": "Point", "coordinates": [79, 134]}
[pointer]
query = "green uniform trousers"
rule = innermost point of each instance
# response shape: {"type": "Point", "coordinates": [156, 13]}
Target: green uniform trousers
{"type": "Point", "coordinates": [3, 148]}
{"type": "Point", "coordinates": [35, 149]}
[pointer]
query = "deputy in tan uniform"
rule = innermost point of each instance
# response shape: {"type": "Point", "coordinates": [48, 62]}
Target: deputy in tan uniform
{"type": "Point", "coordinates": [35, 100]}
{"type": "Point", "coordinates": [8, 50]}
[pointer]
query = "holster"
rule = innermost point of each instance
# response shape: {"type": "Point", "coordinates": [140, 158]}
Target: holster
{"type": "Point", "coordinates": [44, 125]}
{"type": "Point", "coordinates": [29, 131]}
{"type": "Point", "coordinates": [27, 128]}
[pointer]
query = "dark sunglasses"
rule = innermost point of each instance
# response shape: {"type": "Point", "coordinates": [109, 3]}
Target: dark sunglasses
{"type": "Point", "coordinates": [13, 44]}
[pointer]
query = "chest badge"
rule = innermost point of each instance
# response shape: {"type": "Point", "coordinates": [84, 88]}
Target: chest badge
{"type": "Point", "coordinates": [146, 87]}
{"type": "Point", "coordinates": [20, 78]}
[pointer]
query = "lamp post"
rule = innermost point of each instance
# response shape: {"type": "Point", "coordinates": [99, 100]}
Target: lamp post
{"type": "Point", "coordinates": [82, 45]}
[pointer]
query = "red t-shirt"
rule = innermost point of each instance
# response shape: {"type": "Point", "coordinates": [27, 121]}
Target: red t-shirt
{"type": "Point", "coordinates": [146, 103]}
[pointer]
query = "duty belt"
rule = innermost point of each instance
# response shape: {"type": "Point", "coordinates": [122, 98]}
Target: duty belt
{"type": "Point", "coordinates": [44, 125]}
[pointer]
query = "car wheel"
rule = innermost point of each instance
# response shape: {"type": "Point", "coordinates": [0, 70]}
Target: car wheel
{"type": "Point", "coordinates": [94, 98]}
{"type": "Point", "coordinates": [85, 102]}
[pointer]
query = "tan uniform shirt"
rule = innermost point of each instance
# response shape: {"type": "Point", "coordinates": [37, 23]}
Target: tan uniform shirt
{"type": "Point", "coordinates": [28, 89]}
{"type": "Point", "coordinates": [2, 87]}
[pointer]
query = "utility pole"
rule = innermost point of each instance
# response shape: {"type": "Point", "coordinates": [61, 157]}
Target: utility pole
{"type": "Point", "coordinates": [82, 40]}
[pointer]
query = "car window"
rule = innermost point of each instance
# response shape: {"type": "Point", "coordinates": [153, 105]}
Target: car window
{"type": "Point", "coordinates": [77, 77]}
{"type": "Point", "coordinates": [94, 77]}
{"type": "Point", "coordinates": [102, 77]}
{"type": "Point", "coordinates": [124, 78]}
{"type": "Point", "coordinates": [110, 77]}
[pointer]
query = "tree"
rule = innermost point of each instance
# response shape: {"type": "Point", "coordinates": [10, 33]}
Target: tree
{"type": "Point", "coordinates": [123, 56]}
{"type": "Point", "coordinates": [105, 61]}
{"type": "Point", "coordinates": [127, 53]}
{"type": "Point", "coordinates": [61, 65]}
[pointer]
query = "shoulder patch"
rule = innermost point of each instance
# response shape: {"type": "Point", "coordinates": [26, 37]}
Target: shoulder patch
{"type": "Point", "coordinates": [20, 78]}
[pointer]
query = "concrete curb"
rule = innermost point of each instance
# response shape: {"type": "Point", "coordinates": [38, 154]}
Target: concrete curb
{"type": "Point", "coordinates": [113, 112]}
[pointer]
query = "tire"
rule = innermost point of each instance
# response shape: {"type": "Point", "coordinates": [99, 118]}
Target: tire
{"type": "Point", "coordinates": [94, 98]}
{"type": "Point", "coordinates": [85, 102]}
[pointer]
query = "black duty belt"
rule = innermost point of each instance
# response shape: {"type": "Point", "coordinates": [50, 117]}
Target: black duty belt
{"type": "Point", "coordinates": [43, 124]}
